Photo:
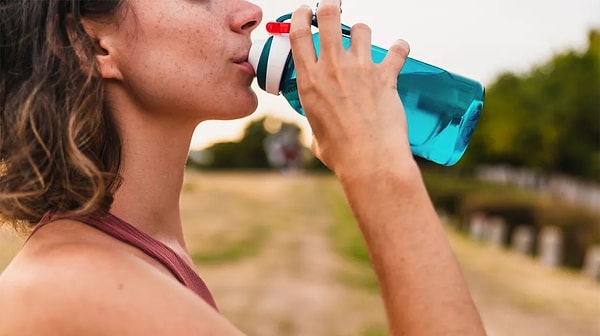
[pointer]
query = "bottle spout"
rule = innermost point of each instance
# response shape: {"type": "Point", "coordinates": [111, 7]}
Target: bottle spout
{"type": "Point", "coordinates": [269, 59]}
{"type": "Point", "coordinates": [255, 52]}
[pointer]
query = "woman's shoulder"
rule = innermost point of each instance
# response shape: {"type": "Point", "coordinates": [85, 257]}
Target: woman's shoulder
{"type": "Point", "coordinates": [69, 287]}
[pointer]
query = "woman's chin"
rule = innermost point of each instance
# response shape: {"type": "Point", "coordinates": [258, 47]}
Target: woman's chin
{"type": "Point", "coordinates": [242, 109]}
{"type": "Point", "coordinates": [238, 112]}
{"type": "Point", "coordinates": [235, 107]}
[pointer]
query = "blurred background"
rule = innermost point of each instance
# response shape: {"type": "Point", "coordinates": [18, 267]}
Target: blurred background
{"type": "Point", "coordinates": [271, 234]}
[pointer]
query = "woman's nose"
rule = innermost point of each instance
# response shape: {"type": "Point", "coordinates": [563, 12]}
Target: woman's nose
{"type": "Point", "coordinates": [247, 18]}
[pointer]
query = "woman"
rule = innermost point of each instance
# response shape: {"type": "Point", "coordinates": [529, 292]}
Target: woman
{"type": "Point", "coordinates": [99, 100]}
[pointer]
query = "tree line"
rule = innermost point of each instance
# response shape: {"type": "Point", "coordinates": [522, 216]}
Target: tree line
{"type": "Point", "coordinates": [546, 120]}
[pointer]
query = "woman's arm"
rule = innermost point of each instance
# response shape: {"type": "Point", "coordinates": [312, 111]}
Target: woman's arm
{"type": "Point", "coordinates": [423, 289]}
{"type": "Point", "coordinates": [360, 133]}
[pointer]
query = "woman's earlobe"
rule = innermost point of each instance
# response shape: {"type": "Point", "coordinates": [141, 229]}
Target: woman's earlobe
{"type": "Point", "coordinates": [108, 70]}
{"type": "Point", "coordinates": [106, 62]}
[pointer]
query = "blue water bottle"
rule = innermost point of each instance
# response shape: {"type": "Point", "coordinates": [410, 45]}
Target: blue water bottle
{"type": "Point", "coordinates": [442, 108]}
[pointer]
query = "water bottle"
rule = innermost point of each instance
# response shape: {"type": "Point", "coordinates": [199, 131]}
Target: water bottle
{"type": "Point", "coordinates": [442, 108]}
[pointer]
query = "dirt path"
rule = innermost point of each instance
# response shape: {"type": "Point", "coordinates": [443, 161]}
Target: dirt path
{"type": "Point", "coordinates": [517, 295]}
{"type": "Point", "coordinates": [262, 242]}
{"type": "Point", "coordinates": [291, 287]}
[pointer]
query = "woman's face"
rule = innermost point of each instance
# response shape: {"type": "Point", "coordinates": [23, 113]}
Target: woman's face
{"type": "Point", "coordinates": [188, 58]}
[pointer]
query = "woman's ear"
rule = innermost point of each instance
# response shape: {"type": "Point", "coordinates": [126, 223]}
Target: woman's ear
{"type": "Point", "coordinates": [103, 51]}
{"type": "Point", "coordinates": [106, 61]}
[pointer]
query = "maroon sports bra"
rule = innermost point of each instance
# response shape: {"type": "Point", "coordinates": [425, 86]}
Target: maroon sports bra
{"type": "Point", "coordinates": [125, 232]}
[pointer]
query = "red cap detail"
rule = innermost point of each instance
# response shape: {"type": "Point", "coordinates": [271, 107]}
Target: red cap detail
{"type": "Point", "coordinates": [278, 27]}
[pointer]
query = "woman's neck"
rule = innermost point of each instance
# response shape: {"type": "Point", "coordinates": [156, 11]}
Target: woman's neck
{"type": "Point", "coordinates": [153, 161]}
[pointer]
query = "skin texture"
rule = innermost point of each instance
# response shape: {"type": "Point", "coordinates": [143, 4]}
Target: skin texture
{"type": "Point", "coordinates": [172, 64]}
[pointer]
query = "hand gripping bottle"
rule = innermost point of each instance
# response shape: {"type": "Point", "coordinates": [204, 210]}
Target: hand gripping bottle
{"type": "Point", "coordinates": [442, 108]}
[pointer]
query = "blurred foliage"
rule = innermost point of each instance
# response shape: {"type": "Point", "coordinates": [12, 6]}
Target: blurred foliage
{"type": "Point", "coordinates": [460, 199]}
{"type": "Point", "coordinates": [463, 198]}
{"type": "Point", "coordinates": [547, 120]}
{"type": "Point", "coordinates": [249, 152]}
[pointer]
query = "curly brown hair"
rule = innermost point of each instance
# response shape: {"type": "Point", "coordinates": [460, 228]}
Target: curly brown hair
{"type": "Point", "coordinates": [60, 148]}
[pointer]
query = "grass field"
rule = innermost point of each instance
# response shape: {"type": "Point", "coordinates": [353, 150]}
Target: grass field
{"type": "Point", "coordinates": [282, 256]}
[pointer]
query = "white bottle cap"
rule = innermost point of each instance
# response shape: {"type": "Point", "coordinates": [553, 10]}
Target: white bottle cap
{"type": "Point", "coordinates": [269, 58]}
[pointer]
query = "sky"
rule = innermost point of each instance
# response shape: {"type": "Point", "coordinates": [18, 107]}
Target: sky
{"type": "Point", "coordinates": [474, 38]}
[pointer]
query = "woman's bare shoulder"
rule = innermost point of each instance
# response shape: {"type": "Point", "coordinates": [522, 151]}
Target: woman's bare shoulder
{"type": "Point", "coordinates": [82, 288]}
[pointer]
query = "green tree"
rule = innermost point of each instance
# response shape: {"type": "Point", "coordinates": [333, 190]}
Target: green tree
{"type": "Point", "coordinates": [248, 153]}
{"type": "Point", "coordinates": [547, 119]}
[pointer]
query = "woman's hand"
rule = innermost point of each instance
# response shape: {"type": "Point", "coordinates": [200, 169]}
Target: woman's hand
{"type": "Point", "coordinates": [360, 132]}
{"type": "Point", "coordinates": [352, 104]}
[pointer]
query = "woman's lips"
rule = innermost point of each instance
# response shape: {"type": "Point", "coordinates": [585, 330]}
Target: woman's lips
{"type": "Point", "coordinates": [246, 66]}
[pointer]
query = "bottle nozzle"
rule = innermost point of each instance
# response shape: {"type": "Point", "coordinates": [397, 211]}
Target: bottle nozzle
{"type": "Point", "coordinates": [278, 27]}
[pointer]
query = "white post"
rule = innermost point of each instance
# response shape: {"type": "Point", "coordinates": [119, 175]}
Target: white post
{"type": "Point", "coordinates": [496, 231]}
{"type": "Point", "coordinates": [522, 240]}
{"type": "Point", "coordinates": [591, 265]}
{"type": "Point", "coordinates": [550, 246]}
{"type": "Point", "coordinates": [477, 226]}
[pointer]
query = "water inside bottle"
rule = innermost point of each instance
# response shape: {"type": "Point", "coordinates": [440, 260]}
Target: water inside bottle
{"type": "Point", "coordinates": [442, 109]}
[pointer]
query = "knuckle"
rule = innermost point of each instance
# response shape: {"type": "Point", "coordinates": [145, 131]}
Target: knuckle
{"type": "Point", "coordinates": [306, 83]}
{"type": "Point", "coordinates": [298, 33]}
{"type": "Point", "coordinates": [356, 65]}
{"type": "Point", "coordinates": [365, 67]}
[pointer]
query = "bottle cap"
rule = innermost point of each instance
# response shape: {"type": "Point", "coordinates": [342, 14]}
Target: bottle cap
{"type": "Point", "coordinates": [269, 58]}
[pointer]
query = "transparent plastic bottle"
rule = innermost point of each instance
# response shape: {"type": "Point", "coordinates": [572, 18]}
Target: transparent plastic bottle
{"type": "Point", "coordinates": [442, 108]}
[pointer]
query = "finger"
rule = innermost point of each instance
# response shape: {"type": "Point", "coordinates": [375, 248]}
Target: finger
{"type": "Point", "coordinates": [360, 44]}
{"type": "Point", "coordinates": [301, 38]}
{"type": "Point", "coordinates": [395, 58]}
{"type": "Point", "coordinates": [330, 31]}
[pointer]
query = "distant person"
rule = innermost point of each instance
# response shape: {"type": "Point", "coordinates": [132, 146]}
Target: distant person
{"type": "Point", "coordinates": [283, 149]}
{"type": "Point", "coordinates": [98, 103]}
